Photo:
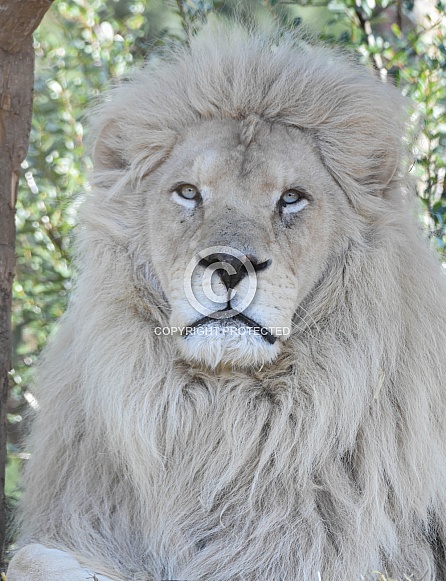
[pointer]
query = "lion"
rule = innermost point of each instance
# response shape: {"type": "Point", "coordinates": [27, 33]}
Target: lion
{"type": "Point", "coordinates": [249, 381]}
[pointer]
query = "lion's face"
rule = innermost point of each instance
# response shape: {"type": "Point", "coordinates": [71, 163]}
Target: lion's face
{"type": "Point", "coordinates": [241, 229]}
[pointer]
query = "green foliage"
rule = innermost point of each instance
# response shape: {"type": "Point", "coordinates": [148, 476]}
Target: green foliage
{"type": "Point", "coordinates": [84, 46]}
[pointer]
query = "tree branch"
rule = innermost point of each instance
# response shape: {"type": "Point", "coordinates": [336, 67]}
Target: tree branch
{"type": "Point", "coordinates": [18, 20]}
{"type": "Point", "coordinates": [184, 19]}
{"type": "Point", "coordinates": [366, 27]}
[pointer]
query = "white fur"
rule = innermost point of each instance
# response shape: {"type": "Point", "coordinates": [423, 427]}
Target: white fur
{"type": "Point", "coordinates": [155, 467]}
{"type": "Point", "coordinates": [36, 562]}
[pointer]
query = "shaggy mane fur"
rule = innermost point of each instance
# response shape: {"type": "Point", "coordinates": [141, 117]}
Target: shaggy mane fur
{"type": "Point", "coordinates": [329, 461]}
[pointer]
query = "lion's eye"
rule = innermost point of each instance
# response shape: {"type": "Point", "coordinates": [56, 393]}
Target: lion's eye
{"type": "Point", "coordinates": [187, 195]}
{"type": "Point", "coordinates": [293, 201]}
{"type": "Point", "coordinates": [188, 192]}
{"type": "Point", "coordinates": [291, 197]}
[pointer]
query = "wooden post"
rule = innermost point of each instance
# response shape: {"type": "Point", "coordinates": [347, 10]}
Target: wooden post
{"type": "Point", "coordinates": [18, 20]}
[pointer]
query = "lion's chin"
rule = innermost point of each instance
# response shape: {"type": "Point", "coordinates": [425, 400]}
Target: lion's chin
{"type": "Point", "coordinates": [236, 347]}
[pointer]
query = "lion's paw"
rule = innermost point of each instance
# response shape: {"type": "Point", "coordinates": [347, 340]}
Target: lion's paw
{"type": "Point", "coordinates": [38, 563]}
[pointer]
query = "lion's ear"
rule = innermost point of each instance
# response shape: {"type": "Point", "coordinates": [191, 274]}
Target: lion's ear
{"type": "Point", "coordinates": [361, 163]}
{"type": "Point", "coordinates": [108, 149]}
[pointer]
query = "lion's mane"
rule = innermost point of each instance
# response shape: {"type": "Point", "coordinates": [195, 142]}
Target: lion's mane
{"type": "Point", "coordinates": [333, 458]}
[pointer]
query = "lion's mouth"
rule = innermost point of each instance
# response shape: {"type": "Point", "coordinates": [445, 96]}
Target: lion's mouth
{"type": "Point", "coordinates": [240, 318]}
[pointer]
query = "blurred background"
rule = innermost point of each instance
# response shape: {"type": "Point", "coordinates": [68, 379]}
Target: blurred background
{"type": "Point", "coordinates": [84, 46]}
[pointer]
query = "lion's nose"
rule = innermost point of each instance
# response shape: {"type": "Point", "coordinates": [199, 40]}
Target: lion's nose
{"type": "Point", "coordinates": [233, 269]}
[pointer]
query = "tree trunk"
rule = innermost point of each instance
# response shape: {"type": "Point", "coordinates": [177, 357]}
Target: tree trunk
{"type": "Point", "coordinates": [18, 20]}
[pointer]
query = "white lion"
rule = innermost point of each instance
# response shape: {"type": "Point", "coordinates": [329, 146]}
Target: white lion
{"type": "Point", "coordinates": [176, 443]}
